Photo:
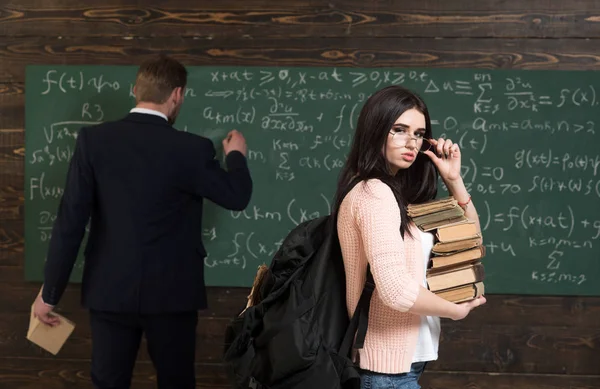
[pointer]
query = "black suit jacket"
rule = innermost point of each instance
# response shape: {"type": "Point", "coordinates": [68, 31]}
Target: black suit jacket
{"type": "Point", "coordinates": [143, 183]}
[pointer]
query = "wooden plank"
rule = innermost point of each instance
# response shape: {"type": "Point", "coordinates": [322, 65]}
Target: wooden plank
{"type": "Point", "coordinates": [427, 5]}
{"type": "Point", "coordinates": [16, 53]}
{"type": "Point", "coordinates": [11, 258]}
{"type": "Point", "coordinates": [522, 347]}
{"type": "Point", "coordinates": [209, 339]}
{"type": "Point", "coordinates": [12, 141]}
{"type": "Point", "coordinates": [11, 237]}
{"type": "Point", "coordinates": [30, 373]}
{"type": "Point", "coordinates": [12, 108]}
{"type": "Point", "coordinates": [11, 276]}
{"type": "Point", "coordinates": [16, 295]}
{"type": "Point", "coordinates": [351, 18]}
{"type": "Point", "coordinates": [500, 349]}
{"type": "Point", "coordinates": [12, 150]}
{"type": "Point", "coordinates": [36, 373]}
{"type": "Point", "coordinates": [577, 312]}
{"type": "Point", "coordinates": [11, 200]}
{"type": "Point", "coordinates": [476, 380]}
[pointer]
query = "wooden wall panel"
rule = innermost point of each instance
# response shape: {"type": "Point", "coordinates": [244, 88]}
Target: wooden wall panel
{"type": "Point", "coordinates": [533, 342]}
{"type": "Point", "coordinates": [475, 380]}
{"type": "Point", "coordinates": [349, 18]}
{"type": "Point", "coordinates": [490, 348]}
{"type": "Point", "coordinates": [74, 374]}
{"type": "Point", "coordinates": [561, 54]}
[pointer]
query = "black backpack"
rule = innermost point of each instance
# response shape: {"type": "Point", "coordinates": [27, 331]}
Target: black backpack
{"type": "Point", "coordinates": [299, 335]}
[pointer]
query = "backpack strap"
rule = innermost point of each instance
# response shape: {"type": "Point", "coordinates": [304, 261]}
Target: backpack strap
{"type": "Point", "coordinates": [363, 319]}
{"type": "Point", "coordinates": [360, 320]}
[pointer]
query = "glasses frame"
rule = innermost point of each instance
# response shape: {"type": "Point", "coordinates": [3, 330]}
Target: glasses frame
{"type": "Point", "coordinates": [417, 141]}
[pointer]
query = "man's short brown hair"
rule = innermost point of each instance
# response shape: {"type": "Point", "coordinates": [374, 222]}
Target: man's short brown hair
{"type": "Point", "coordinates": [156, 79]}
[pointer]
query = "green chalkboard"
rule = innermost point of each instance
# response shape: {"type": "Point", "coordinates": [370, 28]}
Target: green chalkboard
{"type": "Point", "coordinates": [529, 140]}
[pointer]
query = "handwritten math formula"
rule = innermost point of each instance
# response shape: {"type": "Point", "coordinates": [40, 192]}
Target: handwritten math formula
{"type": "Point", "coordinates": [528, 157]}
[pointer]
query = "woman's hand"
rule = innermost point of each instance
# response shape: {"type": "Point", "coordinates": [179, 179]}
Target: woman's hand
{"type": "Point", "coordinates": [447, 159]}
{"type": "Point", "coordinates": [463, 309]}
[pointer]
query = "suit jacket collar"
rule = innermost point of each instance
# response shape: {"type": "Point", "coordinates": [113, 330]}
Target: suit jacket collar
{"type": "Point", "coordinates": [147, 119]}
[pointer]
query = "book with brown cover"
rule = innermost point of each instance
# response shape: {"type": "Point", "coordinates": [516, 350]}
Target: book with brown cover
{"type": "Point", "coordinates": [436, 213]}
{"type": "Point", "coordinates": [431, 206]}
{"type": "Point", "coordinates": [464, 293]}
{"type": "Point", "coordinates": [49, 338]}
{"type": "Point", "coordinates": [441, 248]}
{"type": "Point", "coordinates": [457, 252]}
{"type": "Point", "coordinates": [457, 231]}
{"type": "Point", "coordinates": [442, 262]}
{"type": "Point", "coordinates": [446, 214]}
{"type": "Point", "coordinates": [440, 279]}
{"type": "Point", "coordinates": [436, 224]}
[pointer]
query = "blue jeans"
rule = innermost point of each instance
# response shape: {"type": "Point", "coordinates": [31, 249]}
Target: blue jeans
{"type": "Point", "coordinates": [371, 380]}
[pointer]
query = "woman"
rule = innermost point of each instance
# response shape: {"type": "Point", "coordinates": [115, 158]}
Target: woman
{"type": "Point", "coordinates": [394, 162]}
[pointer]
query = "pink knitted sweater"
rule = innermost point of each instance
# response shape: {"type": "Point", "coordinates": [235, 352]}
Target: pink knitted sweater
{"type": "Point", "coordinates": [369, 231]}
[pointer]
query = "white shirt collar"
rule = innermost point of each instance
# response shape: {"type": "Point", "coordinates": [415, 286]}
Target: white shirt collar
{"type": "Point", "coordinates": [149, 112]}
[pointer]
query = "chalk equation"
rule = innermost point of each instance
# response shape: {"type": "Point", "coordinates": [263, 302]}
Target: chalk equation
{"type": "Point", "coordinates": [528, 154]}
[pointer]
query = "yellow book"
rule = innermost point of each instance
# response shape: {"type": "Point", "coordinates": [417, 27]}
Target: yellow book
{"type": "Point", "coordinates": [49, 338]}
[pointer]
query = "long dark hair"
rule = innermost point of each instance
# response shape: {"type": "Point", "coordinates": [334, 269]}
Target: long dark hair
{"type": "Point", "coordinates": [366, 160]}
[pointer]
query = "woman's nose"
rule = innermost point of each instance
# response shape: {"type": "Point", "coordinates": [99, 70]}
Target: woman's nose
{"type": "Point", "coordinates": [412, 144]}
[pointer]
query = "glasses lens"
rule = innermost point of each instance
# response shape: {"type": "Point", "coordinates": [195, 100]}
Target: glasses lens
{"type": "Point", "coordinates": [425, 146]}
{"type": "Point", "coordinates": [399, 139]}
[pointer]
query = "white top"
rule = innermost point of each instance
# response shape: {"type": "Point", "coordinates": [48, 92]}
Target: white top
{"type": "Point", "coordinates": [149, 111]}
{"type": "Point", "coordinates": [429, 330]}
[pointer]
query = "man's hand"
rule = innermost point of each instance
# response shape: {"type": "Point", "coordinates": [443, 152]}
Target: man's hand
{"type": "Point", "coordinates": [235, 142]}
{"type": "Point", "coordinates": [44, 312]}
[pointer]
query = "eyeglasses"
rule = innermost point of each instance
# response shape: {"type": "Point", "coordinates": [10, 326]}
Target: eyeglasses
{"type": "Point", "coordinates": [402, 138]}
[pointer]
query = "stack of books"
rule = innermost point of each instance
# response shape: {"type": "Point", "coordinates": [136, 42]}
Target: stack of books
{"type": "Point", "coordinates": [455, 271]}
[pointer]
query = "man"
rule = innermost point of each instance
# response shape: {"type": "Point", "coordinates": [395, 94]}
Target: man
{"type": "Point", "coordinates": [142, 183]}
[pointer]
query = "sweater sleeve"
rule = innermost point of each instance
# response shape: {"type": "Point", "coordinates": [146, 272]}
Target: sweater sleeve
{"type": "Point", "coordinates": [377, 216]}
